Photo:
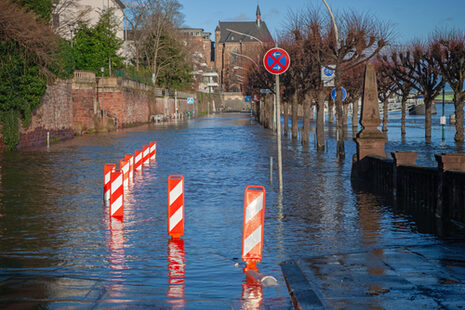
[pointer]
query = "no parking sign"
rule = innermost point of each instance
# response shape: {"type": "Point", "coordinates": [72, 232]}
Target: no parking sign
{"type": "Point", "coordinates": [276, 61]}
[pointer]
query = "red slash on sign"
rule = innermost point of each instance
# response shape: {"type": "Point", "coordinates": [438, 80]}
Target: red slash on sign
{"type": "Point", "coordinates": [276, 61]}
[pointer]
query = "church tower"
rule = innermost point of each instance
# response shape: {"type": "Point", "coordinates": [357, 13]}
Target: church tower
{"type": "Point", "coordinates": [259, 16]}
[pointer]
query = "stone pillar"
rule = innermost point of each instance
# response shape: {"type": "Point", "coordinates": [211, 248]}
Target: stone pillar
{"type": "Point", "coordinates": [370, 141]}
{"type": "Point", "coordinates": [404, 158]}
{"type": "Point", "coordinates": [451, 161]}
{"type": "Point", "coordinates": [446, 162]}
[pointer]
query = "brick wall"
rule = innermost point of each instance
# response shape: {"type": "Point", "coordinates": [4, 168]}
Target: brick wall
{"type": "Point", "coordinates": [74, 107]}
{"type": "Point", "coordinates": [54, 115]}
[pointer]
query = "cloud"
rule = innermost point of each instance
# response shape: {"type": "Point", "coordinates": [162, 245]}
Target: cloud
{"type": "Point", "coordinates": [241, 17]}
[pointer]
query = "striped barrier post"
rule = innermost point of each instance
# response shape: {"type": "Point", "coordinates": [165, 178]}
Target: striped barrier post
{"type": "Point", "coordinates": [176, 271]}
{"type": "Point", "coordinates": [146, 155]}
{"type": "Point", "coordinates": [254, 220]}
{"type": "Point", "coordinates": [175, 206]}
{"type": "Point", "coordinates": [153, 150]}
{"type": "Point", "coordinates": [124, 168]}
{"type": "Point", "coordinates": [138, 160]}
{"type": "Point", "coordinates": [117, 194]}
{"type": "Point", "coordinates": [130, 158]}
{"type": "Point", "coordinates": [106, 180]}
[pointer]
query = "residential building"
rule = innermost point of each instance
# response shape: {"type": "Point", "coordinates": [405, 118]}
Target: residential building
{"type": "Point", "coordinates": [67, 13]}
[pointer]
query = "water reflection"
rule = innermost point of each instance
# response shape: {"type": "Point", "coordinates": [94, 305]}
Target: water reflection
{"type": "Point", "coordinates": [176, 273]}
{"type": "Point", "coordinates": [252, 293]}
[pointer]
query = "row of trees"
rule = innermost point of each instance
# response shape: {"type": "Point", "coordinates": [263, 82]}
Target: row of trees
{"type": "Point", "coordinates": [311, 43]}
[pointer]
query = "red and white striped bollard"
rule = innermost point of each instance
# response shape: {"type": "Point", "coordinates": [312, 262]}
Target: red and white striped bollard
{"type": "Point", "coordinates": [117, 194]}
{"type": "Point", "coordinates": [175, 206]}
{"type": "Point", "coordinates": [106, 180]}
{"type": "Point", "coordinates": [254, 220]}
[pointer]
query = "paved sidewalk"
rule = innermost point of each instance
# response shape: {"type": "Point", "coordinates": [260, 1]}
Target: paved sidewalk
{"type": "Point", "coordinates": [416, 277]}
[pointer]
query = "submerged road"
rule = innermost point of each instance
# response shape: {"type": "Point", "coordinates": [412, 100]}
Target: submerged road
{"type": "Point", "coordinates": [59, 249]}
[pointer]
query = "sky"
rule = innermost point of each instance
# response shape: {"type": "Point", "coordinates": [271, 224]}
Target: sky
{"type": "Point", "coordinates": [411, 19]}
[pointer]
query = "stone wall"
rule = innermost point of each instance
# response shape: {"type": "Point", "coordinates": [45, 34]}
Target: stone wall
{"type": "Point", "coordinates": [75, 106]}
{"type": "Point", "coordinates": [54, 115]}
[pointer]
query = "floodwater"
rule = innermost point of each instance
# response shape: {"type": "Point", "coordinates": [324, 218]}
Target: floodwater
{"type": "Point", "coordinates": [58, 247]}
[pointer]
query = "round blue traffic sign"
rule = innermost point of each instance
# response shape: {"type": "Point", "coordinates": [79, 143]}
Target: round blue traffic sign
{"type": "Point", "coordinates": [344, 93]}
{"type": "Point", "coordinates": [276, 61]}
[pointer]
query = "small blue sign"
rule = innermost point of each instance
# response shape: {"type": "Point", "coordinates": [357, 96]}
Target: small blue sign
{"type": "Point", "coordinates": [248, 98]}
{"type": "Point", "coordinates": [190, 100]}
{"type": "Point", "coordinates": [328, 71]}
{"type": "Point", "coordinates": [344, 93]}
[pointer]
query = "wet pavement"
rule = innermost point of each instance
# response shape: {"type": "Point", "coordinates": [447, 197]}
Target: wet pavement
{"type": "Point", "coordinates": [58, 248]}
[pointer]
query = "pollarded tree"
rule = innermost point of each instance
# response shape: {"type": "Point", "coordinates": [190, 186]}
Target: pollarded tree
{"type": "Point", "coordinates": [402, 77]}
{"type": "Point", "coordinates": [386, 88]}
{"type": "Point", "coordinates": [422, 70]}
{"type": "Point", "coordinates": [449, 51]}
{"type": "Point", "coordinates": [361, 37]}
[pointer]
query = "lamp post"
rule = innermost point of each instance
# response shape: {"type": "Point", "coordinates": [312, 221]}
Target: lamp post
{"type": "Point", "coordinates": [102, 69]}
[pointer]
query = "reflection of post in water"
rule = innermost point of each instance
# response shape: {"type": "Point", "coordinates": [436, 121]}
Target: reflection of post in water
{"type": "Point", "coordinates": [252, 292]}
{"type": "Point", "coordinates": [176, 272]}
{"type": "Point", "coordinates": [370, 218]}
{"type": "Point", "coordinates": [116, 243]}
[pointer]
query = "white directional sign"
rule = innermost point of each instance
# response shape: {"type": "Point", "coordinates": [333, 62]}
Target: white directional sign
{"type": "Point", "coordinates": [190, 100]}
{"type": "Point", "coordinates": [327, 75]}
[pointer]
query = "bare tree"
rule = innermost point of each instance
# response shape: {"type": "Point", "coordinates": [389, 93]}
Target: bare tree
{"type": "Point", "coordinates": [422, 71]}
{"type": "Point", "coordinates": [361, 38]}
{"type": "Point", "coordinates": [386, 89]}
{"type": "Point", "coordinates": [449, 51]}
{"type": "Point", "coordinates": [36, 38]}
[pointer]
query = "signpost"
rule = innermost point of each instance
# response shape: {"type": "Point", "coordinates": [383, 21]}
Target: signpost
{"type": "Point", "coordinates": [190, 100]}
{"type": "Point", "coordinates": [248, 99]}
{"type": "Point", "coordinates": [277, 61]}
{"type": "Point", "coordinates": [327, 75]}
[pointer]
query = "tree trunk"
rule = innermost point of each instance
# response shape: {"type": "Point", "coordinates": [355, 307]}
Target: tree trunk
{"type": "Point", "coordinates": [340, 130]}
{"type": "Point", "coordinates": [306, 128]}
{"type": "Point", "coordinates": [428, 104]}
{"type": "Point", "coordinates": [320, 121]}
{"type": "Point", "coordinates": [404, 108]}
{"type": "Point", "coordinates": [345, 109]}
{"type": "Point", "coordinates": [355, 114]}
{"type": "Point", "coordinates": [286, 117]}
{"type": "Point", "coordinates": [459, 115]}
{"type": "Point", "coordinates": [385, 115]}
{"type": "Point", "coordinates": [339, 123]}
{"type": "Point", "coordinates": [330, 111]}
{"type": "Point", "coordinates": [294, 115]}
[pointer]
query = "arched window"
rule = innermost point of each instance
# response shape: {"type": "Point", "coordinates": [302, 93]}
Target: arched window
{"type": "Point", "coordinates": [234, 56]}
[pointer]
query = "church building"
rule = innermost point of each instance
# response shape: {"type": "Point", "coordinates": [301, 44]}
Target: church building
{"type": "Point", "coordinates": [237, 46]}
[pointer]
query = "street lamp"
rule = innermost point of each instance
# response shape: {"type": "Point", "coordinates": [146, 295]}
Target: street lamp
{"type": "Point", "coordinates": [336, 33]}
{"type": "Point", "coordinates": [102, 69]}
{"type": "Point", "coordinates": [245, 34]}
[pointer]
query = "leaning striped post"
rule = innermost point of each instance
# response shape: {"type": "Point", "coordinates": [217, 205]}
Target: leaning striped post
{"type": "Point", "coordinates": [254, 220]}
{"type": "Point", "coordinates": [124, 168]}
{"type": "Point", "coordinates": [138, 160]}
{"type": "Point", "coordinates": [146, 155]}
{"type": "Point", "coordinates": [106, 180]}
{"type": "Point", "coordinates": [130, 158]}
{"type": "Point", "coordinates": [175, 206]}
{"type": "Point", "coordinates": [117, 194]}
{"type": "Point", "coordinates": [153, 150]}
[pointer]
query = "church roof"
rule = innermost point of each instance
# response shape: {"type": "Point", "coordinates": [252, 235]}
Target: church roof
{"type": "Point", "coordinates": [250, 28]}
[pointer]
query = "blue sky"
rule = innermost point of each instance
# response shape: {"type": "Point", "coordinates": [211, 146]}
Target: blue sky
{"type": "Point", "coordinates": [410, 18]}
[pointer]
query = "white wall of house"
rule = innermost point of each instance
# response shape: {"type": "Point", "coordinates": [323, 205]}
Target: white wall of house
{"type": "Point", "coordinates": [88, 11]}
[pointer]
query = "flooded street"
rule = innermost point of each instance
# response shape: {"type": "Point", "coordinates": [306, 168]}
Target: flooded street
{"type": "Point", "coordinates": [58, 247]}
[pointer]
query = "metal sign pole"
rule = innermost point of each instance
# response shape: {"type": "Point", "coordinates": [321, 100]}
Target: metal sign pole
{"type": "Point", "coordinates": [278, 127]}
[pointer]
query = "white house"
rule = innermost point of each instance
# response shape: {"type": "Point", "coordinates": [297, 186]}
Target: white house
{"type": "Point", "coordinates": [67, 13]}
